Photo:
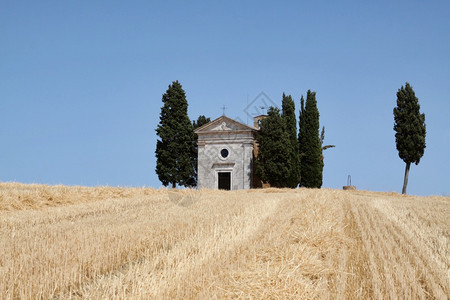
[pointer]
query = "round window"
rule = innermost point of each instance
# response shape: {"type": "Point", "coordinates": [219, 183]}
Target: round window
{"type": "Point", "coordinates": [224, 153]}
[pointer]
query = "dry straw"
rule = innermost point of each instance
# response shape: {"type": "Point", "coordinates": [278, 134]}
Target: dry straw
{"type": "Point", "coordinates": [119, 243]}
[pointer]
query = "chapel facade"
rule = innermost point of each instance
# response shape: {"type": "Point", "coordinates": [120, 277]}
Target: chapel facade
{"type": "Point", "coordinates": [226, 153]}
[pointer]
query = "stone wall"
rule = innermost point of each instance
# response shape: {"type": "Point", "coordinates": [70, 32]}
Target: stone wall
{"type": "Point", "coordinates": [239, 161]}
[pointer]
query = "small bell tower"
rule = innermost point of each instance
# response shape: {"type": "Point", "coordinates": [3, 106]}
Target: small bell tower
{"type": "Point", "coordinates": [257, 121]}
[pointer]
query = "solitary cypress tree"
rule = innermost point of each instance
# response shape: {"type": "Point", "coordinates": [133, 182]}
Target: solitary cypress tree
{"type": "Point", "coordinates": [273, 154]}
{"type": "Point", "coordinates": [410, 129]}
{"type": "Point", "coordinates": [293, 164]}
{"type": "Point", "coordinates": [311, 155]}
{"type": "Point", "coordinates": [175, 147]}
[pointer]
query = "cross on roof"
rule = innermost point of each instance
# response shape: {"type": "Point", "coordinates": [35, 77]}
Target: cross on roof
{"type": "Point", "coordinates": [224, 108]}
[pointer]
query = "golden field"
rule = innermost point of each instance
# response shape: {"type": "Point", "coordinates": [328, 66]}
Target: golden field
{"type": "Point", "coordinates": [59, 242]}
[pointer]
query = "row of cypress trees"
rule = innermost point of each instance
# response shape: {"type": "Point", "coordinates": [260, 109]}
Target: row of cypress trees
{"type": "Point", "coordinates": [287, 158]}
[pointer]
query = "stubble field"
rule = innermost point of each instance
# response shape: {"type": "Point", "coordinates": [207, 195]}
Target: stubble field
{"type": "Point", "coordinates": [59, 242]}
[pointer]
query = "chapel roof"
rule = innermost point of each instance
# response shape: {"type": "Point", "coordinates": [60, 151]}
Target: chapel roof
{"type": "Point", "coordinates": [224, 123]}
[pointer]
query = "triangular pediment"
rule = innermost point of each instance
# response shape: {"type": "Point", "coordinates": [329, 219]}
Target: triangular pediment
{"type": "Point", "coordinates": [224, 123]}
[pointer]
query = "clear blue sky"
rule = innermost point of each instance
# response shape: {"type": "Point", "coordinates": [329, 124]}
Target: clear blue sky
{"type": "Point", "coordinates": [81, 82]}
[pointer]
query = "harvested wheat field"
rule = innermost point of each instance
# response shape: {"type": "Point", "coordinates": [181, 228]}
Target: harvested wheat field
{"type": "Point", "coordinates": [59, 242]}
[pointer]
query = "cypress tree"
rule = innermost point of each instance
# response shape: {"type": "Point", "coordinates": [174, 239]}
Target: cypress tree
{"type": "Point", "coordinates": [311, 155]}
{"type": "Point", "coordinates": [289, 119]}
{"type": "Point", "coordinates": [301, 137]}
{"type": "Point", "coordinates": [273, 154]}
{"type": "Point", "coordinates": [175, 147]}
{"type": "Point", "coordinates": [201, 120]}
{"type": "Point", "coordinates": [410, 129]}
{"type": "Point", "coordinates": [322, 139]}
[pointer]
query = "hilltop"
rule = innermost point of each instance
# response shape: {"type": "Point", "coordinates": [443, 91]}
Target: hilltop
{"type": "Point", "coordinates": [103, 242]}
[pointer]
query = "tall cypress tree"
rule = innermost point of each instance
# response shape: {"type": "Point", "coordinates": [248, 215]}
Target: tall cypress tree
{"type": "Point", "coordinates": [311, 155]}
{"type": "Point", "coordinates": [273, 154]}
{"type": "Point", "coordinates": [301, 137]}
{"type": "Point", "coordinates": [290, 121]}
{"type": "Point", "coordinates": [201, 120]}
{"type": "Point", "coordinates": [410, 129]}
{"type": "Point", "coordinates": [175, 147]}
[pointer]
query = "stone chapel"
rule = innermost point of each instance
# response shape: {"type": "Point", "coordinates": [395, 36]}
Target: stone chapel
{"type": "Point", "coordinates": [226, 152]}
